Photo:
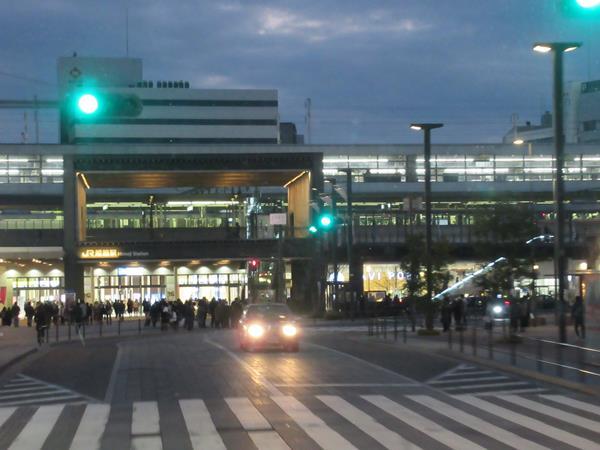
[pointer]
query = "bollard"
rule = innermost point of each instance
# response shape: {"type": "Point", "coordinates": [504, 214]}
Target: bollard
{"type": "Point", "coordinates": [490, 344]}
{"type": "Point", "coordinates": [474, 340]}
{"type": "Point", "coordinates": [139, 326]}
{"type": "Point", "coordinates": [539, 358]}
{"type": "Point", "coordinates": [450, 338]}
{"type": "Point", "coordinates": [559, 357]}
{"type": "Point", "coordinates": [581, 364]}
{"type": "Point", "coordinates": [461, 340]}
{"type": "Point", "coordinates": [513, 351]}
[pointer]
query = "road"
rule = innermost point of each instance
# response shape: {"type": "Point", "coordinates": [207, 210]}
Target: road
{"type": "Point", "coordinates": [181, 390]}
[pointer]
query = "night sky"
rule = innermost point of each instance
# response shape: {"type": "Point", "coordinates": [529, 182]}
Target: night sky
{"type": "Point", "coordinates": [370, 67]}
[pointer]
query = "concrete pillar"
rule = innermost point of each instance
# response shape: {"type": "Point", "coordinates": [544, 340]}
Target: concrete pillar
{"type": "Point", "coordinates": [298, 191]}
{"type": "Point", "coordinates": [303, 287]}
{"type": "Point", "coordinates": [411, 168]}
{"type": "Point", "coordinates": [73, 204]}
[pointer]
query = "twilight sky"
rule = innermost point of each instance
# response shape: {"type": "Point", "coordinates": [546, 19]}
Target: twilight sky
{"type": "Point", "coordinates": [369, 66]}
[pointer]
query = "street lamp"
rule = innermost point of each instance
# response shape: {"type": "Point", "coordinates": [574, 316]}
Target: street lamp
{"type": "Point", "coordinates": [558, 48]}
{"type": "Point", "coordinates": [426, 128]}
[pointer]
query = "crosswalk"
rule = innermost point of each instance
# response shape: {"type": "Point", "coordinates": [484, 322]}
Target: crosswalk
{"type": "Point", "coordinates": [25, 390]}
{"type": "Point", "coordinates": [468, 379]}
{"type": "Point", "coordinates": [331, 422]}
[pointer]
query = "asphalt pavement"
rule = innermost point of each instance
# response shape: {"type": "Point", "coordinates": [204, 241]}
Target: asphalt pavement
{"type": "Point", "coordinates": [192, 390]}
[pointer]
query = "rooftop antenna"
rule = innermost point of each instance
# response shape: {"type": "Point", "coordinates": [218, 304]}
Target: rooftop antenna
{"type": "Point", "coordinates": [307, 120]}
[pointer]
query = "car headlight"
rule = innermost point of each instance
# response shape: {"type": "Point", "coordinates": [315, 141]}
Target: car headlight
{"type": "Point", "coordinates": [497, 309]}
{"type": "Point", "coordinates": [289, 330]}
{"type": "Point", "coordinates": [255, 330]}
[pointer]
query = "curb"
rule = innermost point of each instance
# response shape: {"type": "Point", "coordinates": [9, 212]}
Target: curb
{"type": "Point", "coordinates": [16, 359]}
{"type": "Point", "coordinates": [524, 372]}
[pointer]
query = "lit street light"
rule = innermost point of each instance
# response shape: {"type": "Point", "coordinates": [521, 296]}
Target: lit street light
{"type": "Point", "coordinates": [558, 48]}
{"type": "Point", "coordinates": [426, 128]}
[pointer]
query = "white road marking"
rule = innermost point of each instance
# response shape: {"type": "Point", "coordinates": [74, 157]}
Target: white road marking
{"type": "Point", "coordinates": [268, 440]}
{"type": "Point", "coordinates": [487, 385]}
{"type": "Point", "coordinates": [431, 428]}
{"type": "Point", "coordinates": [513, 391]}
{"type": "Point", "coordinates": [476, 423]}
{"type": "Point", "coordinates": [462, 373]}
{"type": "Point", "coordinates": [24, 389]}
{"type": "Point", "coordinates": [316, 428]}
{"type": "Point", "coordinates": [25, 395]}
{"type": "Point", "coordinates": [594, 409]}
{"type": "Point", "coordinates": [113, 375]}
{"type": "Point", "coordinates": [202, 431]}
{"type": "Point", "coordinates": [38, 428]}
{"type": "Point", "coordinates": [367, 424]}
{"type": "Point", "coordinates": [5, 413]}
{"type": "Point", "coordinates": [258, 428]}
{"type": "Point", "coordinates": [256, 376]}
{"type": "Point", "coordinates": [145, 418]}
{"type": "Point", "coordinates": [362, 361]}
{"type": "Point", "coordinates": [146, 443]}
{"type": "Point", "coordinates": [37, 401]}
{"type": "Point", "coordinates": [522, 420]}
{"type": "Point", "coordinates": [469, 379]}
{"type": "Point", "coordinates": [250, 418]}
{"type": "Point", "coordinates": [574, 419]}
{"type": "Point", "coordinates": [91, 427]}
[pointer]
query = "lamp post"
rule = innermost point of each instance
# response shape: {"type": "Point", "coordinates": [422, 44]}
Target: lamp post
{"type": "Point", "coordinates": [426, 128]}
{"type": "Point", "coordinates": [558, 48]}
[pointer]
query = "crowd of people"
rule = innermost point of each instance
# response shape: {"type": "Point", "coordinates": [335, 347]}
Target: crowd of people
{"type": "Point", "coordinates": [214, 313]}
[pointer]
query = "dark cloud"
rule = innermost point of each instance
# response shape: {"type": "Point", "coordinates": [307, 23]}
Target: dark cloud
{"type": "Point", "coordinates": [369, 66]}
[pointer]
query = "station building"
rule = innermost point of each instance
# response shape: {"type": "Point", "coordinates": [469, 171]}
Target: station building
{"type": "Point", "coordinates": [200, 196]}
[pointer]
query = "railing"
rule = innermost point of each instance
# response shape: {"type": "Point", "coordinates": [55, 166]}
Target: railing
{"type": "Point", "coordinates": [567, 361]}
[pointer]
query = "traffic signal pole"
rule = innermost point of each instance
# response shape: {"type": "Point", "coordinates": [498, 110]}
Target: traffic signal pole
{"type": "Point", "coordinates": [559, 193]}
{"type": "Point", "coordinates": [334, 236]}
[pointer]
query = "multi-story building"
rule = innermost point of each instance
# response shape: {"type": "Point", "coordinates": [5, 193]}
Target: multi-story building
{"type": "Point", "coordinates": [169, 206]}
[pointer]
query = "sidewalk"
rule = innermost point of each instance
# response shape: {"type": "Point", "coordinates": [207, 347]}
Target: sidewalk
{"type": "Point", "coordinates": [16, 343]}
{"type": "Point", "coordinates": [529, 355]}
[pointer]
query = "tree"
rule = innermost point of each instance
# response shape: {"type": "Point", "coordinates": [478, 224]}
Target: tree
{"type": "Point", "coordinates": [506, 228]}
{"type": "Point", "coordinates": [413, 264]}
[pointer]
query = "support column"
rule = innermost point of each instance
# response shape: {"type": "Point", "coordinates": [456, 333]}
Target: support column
{"type": "Point", "coordinates": [74, 213]}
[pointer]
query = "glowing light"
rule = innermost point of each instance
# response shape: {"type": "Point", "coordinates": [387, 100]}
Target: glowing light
{"type": "Point", "coordinates": [87, 104]}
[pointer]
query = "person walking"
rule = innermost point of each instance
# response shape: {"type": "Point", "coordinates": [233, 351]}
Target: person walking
{"type": "Point", "coordinates": [202, 312]}
{"type": "Point", "coordinates": [29, 313]}
{"type": "Point", "coordinates": [15, 315]}
{"type": "Point", "coordinates": [578, 313]}
{"type": "Point", "coordinates": [212, 309]}
{"type": "Point", "coordinates": [40, 323]}
{"type": "Point", "coordinates": [446, 313]}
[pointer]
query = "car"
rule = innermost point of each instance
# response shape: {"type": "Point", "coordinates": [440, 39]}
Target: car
{"type": "Point", "coordinates": [497, 310]}
{"type": "Point", "coordinates": [268, 325]}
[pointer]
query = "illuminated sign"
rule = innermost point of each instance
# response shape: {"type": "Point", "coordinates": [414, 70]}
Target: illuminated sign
{"type": "Point", "coordinates": [99, 253]}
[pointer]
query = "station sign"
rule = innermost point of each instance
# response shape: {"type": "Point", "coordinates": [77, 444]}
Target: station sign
{"type": "Point", "coordinates": [99, 253]}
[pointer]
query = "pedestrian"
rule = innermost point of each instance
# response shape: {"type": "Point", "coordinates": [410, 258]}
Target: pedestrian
{"type": "Point", "coordinates": [446, 313]}
{"type": "Point", "coordinates": [212, 309]}
{"type": "Point", "coordinates": [515, 315]}
{"type": "Point", "coordinates": [15, 314]}
{"type": "Point", "coordinates": [29, 313]}
{"type": "Point", "coordinates": [578, 313]}
{"type": "Point", "coordinates": [202, 312]}
{"type": "Point", "coordinates": [40, 323]}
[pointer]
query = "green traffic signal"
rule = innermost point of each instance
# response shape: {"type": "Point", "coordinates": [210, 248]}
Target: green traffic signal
{"type": "Point", "coordinates": [588, 4]}
{"type": "Point", "coordinates": [313, 229]}
{"type": "Point", "coordinates": [326, 221]}
{"type": "Point", "coordinates": [87, 103]}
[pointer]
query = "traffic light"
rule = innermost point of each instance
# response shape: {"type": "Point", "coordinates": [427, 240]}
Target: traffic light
{"type": "Point", "coordinates": [581, 9]}
{"type": "Point", "coordinates": [253, 264]}
{"type": "Point", "coordinates": [324, 222]}
{"type": "Point", "coordinates": [588, 4]}
{"type": "Point", "coordinates": [88, 105]}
